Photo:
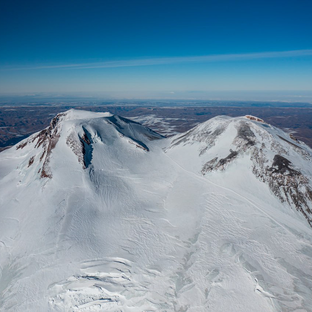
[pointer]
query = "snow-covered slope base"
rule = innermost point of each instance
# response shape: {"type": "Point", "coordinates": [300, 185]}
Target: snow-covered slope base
{"type": "Point", "coordinates": [98, 213]}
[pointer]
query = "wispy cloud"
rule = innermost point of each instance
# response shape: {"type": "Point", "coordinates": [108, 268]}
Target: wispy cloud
{"type": "Point", "coordinates": [173, 60]}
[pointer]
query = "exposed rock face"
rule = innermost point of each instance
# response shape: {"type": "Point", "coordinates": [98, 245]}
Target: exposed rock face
{"type": "Point", "coordinates": [77, 146]}
{"type": "Point", "coordinates": [254, 118]}
{"type": "Point", "coordinates": [286, 183]}
{"type": "Point", "coordinates": [47, 139]}
{"type": "Point", "coordinates": [245, 136]}
{"type": "Point", "coordinates": [214, 164]}
{"type": "Point", "coordinates": [81, 145]}
{"type": "Point", "coordinates": [244, 140]}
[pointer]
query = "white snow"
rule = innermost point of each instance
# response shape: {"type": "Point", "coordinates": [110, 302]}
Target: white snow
{"type": "Point", "coordinates": [143, 230]}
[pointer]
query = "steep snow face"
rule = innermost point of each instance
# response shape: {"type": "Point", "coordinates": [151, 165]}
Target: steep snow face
{"type": "Point", "coordinates": [98, 213]}
{"type": "Point", "coordinates": [281, 161]}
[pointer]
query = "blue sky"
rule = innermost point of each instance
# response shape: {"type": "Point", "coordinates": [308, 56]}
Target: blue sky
{"type": "Point", "coordinates": [137, 47]}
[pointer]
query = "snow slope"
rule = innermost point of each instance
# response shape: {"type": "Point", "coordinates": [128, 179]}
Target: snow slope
{"type": "Point", "coordinates": [98, 213]}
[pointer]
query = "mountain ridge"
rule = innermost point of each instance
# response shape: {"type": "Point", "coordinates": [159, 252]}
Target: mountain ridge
{"type": "Point", "coordinates": [125, 219]}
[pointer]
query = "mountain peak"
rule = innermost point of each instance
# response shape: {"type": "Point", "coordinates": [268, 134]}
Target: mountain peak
{"type": "Point", "coordinates": [273, 155]}
{"type": "Point", "coordinates": [80, 130]}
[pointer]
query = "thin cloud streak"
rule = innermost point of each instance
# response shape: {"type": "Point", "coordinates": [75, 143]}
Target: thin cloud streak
{"type": "Point", "coordinates": [173, 60]}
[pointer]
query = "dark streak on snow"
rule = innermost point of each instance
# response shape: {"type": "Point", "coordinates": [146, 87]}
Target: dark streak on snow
{"type": "Point", "coordinates": [87, 148]}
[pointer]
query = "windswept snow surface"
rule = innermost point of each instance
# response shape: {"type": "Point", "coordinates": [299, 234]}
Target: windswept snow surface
{"type": "Point", "coordinates": [126, 220]}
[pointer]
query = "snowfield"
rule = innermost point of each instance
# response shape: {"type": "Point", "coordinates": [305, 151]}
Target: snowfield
{"type": "Point", "coordinates": [99, 213]}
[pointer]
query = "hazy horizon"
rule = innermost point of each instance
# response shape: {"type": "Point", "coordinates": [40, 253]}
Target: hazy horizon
{"type": "Point", "coordinates": [242, 95]}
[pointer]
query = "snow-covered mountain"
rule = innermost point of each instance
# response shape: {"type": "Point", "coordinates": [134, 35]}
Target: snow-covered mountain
{"type": "Point", "coordinates": [99, 213]}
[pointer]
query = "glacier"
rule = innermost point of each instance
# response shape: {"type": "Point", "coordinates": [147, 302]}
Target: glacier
{"type": "Point", "coordinates": [99, 213]}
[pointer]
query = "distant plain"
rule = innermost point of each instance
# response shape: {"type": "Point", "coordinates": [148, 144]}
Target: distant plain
{"type": "Point", "coordinates": [19, 120]}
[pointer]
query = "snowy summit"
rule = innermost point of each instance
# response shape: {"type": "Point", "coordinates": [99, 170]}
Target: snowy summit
{"type": "Point", "coordinates": [99, 213]}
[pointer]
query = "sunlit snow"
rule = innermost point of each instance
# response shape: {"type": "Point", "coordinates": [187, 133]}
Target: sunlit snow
{"type": "Point", "coordinates": [128, 220]}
